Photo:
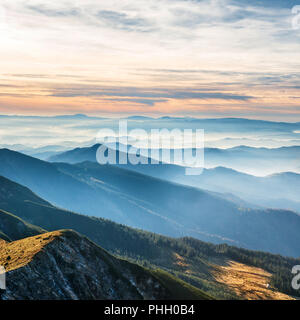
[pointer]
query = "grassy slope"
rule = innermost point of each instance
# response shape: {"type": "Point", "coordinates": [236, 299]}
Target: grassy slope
{"type": "Point", "coordinates": [179, 289]}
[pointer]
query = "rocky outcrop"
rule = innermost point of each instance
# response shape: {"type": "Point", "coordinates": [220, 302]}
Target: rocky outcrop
{"type": "Point", "coordinates": [66, 265]}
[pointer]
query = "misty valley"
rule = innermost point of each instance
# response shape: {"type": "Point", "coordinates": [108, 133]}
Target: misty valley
{"type": "Point", "coordinates": [164, 234]}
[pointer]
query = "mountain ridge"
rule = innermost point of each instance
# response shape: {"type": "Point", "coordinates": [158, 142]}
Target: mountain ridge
{"type": "Point", "coordinates": [278, 190]}
{"type": "Point", "coordinates": [44, 263]}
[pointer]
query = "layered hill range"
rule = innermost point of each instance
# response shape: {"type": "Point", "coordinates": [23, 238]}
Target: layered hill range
{"type": "Point", "coordinates": [258, 161]}
{"type": "Point", "coordinates": [278, 190]}
{"type": "Point", "coordinates": [45, 262]}
{"type": "Point", "coordinates": [146, 202]}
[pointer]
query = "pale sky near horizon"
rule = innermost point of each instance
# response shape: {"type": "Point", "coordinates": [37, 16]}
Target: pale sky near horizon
{"type": "Point", "coordinates": [214, 58]}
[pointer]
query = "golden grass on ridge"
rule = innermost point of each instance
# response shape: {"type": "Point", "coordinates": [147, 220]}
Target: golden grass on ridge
{"type": "Point", "coordinates": [14, 255]}
{"type": "Point", "coordinates": [248, 282]}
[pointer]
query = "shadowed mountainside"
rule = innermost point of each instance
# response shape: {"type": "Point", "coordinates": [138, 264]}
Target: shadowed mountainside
{"type": "Point", "coordinates": [13, 228]}
{"type": "Point", "coordinates": [153, 204]}
{"type": "Point", "coordinates": [192, 260]}
{"type": "Point", "coordinates": [280, 190]}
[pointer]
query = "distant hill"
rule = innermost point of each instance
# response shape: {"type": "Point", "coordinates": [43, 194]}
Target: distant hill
{"type": "Point", "coordinates": [255, 161]}
{"type": "Point", "coordinates": [139, 118]}
{"type": "Point", "coordinates": [78, 116]}
{"type": "Point", "coordinates": [214, 154]}
{"type": "Point", "coordinates": [274, 191]}
{"type": "Point", "coordinates": [279, 190]}
{"type": "Point", "coordinates": [77, 155]}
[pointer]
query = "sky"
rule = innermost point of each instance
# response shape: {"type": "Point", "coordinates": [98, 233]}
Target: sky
{"type": "Point", "coordinates": [213, 58]}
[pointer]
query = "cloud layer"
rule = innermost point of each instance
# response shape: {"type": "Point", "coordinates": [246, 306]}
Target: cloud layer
{"type": "Point", "coordinates": [212, 57]}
